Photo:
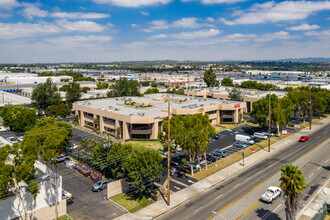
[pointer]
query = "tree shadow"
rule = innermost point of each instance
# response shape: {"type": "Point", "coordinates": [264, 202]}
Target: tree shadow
{"type": "Point", "coordinates": [267, 214]}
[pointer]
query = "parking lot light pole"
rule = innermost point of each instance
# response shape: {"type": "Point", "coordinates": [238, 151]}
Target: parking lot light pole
{"type": "Point", "coordinates": [269, 123]}
{"type": "Point", "coordinates": [168, 157]}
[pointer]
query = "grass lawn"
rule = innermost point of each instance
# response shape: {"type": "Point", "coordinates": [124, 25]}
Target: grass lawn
{"type": "Point", "coordinates": [233, 158]}
{"type": "Point", "coordinates": [64, 217]}
{"type": "Point", "coordinates": [131, 203]}
{"type": "Point", "coordinates": [306, 124]}
{"type": "Point", "coordinates": [149, 144]}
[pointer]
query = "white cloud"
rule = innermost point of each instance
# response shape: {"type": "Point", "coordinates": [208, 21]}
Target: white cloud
{"type": "Point", "coordinates": [145, 13]}
{"type": "Point", "coordinates": [210, 19]}
{"type": "Point", "coordinates": [32, 10]}
{"type": "Point", "coordinates": [132, 3]}
{"type": "Point", "coordinates": [208, 2]}
{"type": "Point", "coordinates": [319, 34]}
{"type": "Point", "coordinates": [158, 36]}
{"type": "Point", "coordinates": [78, 39]}
{"type": "Point", "coordinates": [304, 27]}
{"type": "Point", "coordinates": [281, 35]}
{"type": "Point", "coordinates": [159, 24]}
{"type": "Point", "coordinates": [275, 12]}
{"type": "Point", "coordinates": [135, 25]}
{"type": "Point", "coordinates": [23, 30]}
{"type": "Point", "coordinates": [197, 34]}
{"type": "Point", "coordinates": [186, 23]}
{"type": "Point", "coordinates": [8, 4]}
{"type": "Point", "coordinates": [79, 15]}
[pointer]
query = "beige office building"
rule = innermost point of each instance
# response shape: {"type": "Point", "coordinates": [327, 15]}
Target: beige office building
{"type": "Point", "coordinates": [221, 93]}
{"type": "Point", "coordinates": [142, 117]}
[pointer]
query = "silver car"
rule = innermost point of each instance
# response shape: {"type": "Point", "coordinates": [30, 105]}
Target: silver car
{"type": "Point", "coordinates": [100, 185]}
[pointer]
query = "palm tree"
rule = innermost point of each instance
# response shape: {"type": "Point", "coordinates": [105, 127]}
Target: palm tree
{"type": "Point", "coordinates": [292, 184]}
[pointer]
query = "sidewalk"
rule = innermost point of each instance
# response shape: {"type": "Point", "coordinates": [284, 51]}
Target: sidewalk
{"type": "Point", "coordinates": [160, 207]}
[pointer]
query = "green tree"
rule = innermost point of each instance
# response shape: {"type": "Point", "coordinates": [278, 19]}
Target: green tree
{"type": "Point", "coordinates": [145, 83]}
{"type": "Point", "coordinates": [236, 95]}
{"type": "Point", "coordinates": [51, 111]}
{"type": "Point", "coordinates": [124, 87]}
{"type": "Point", "coordinates": [210, 78]}
{"type": "Point", "coordinates": [288, 108]}
{"type": "Point", "coordinates": [102, 85]}
{"type": "Point", "coordinates": [292, 184]}
{"type": "Point", "coordinates": [191, 132]}
{"type": "Point", "coordinates": [73, 93]}
{"type": "Point", "coordinates": [116, 158]}
{"type": "Point", "coordinates": [227, 81]}
{"type": "Point", "coordinates": [64, 88]}
{"type": "Point", "coordinates": [20, 170]}
{"type": "Point", "coordinates": [141, 168]}
{"type": "Point", "coordinates": [85, 89]}
{"type": "Point", "coordinates": [62, 110]}
{"type": "Point", "coordinates": [151, 91]}
{"type": "Point", "coordinates": [45, 141]}
{"type": "Point", "coordinates": [18, 118]}
{"type": "Point", "coordinates": [154, 84]}
{"type": "Point", "coordinates": [45, 94]}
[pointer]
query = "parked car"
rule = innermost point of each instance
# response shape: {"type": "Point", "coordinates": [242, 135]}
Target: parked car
{"type": "Point", "coordinates": [68, 196]}
{"type": "Point", "coordinates": [260, 135]}
{"type": "Point", "coordinates": [195, 165]}
{"type": "Point", "coordinates": [216, 136]}
{"type": "Point", "coordinates": [161, 151]}
{"type": "Point", "coordinates": [100, 185]}
{"type": "Point", "coordinates": [303, 138]}
{"type": "Point", "coordinates": [266, 133]}
{"type": "Point", "coordinates": [219, 153]}
{"type": "Point", "coordinates": [244, 139]}
{"type": "Point", "coordinates": [61, 158]}
{"type": "Point", "coordinates": [271, 193]}
{"type": "Point", "coordinates": [209, 158]}
{"type": "Point", "coordinates": [12, 139]}
{"type": "Point", "coordinates": [3, 128]}
{"type": "Point", "coordinates": [239, 144]}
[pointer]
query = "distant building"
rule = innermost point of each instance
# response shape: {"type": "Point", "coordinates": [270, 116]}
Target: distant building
{"type": "Point", "coordinates": [7, 98]}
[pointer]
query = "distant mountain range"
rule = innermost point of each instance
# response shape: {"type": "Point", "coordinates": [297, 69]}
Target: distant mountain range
{"type": "Point", "coordinates": [306, 60]}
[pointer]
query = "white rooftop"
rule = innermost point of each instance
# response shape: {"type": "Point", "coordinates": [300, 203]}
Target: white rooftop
{"type": "Point", "coordinates": [7, 98]}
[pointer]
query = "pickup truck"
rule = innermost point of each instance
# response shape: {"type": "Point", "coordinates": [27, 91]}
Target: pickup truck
{"type": "Point", "coordinates": [271, 193]}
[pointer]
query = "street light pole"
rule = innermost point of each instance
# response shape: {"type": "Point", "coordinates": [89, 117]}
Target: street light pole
{"type": "Point", "coordinates": [168, 157]}
{"type": "Point", "coordinates": [269, 122]}
{"type": "Point", "coordinates": [310, 108]}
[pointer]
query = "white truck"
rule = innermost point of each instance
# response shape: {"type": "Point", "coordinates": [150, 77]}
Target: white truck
{"type": "Point", "coordinates": [271, 193]}
{"type": "Point", "coordinates": [243, 139]}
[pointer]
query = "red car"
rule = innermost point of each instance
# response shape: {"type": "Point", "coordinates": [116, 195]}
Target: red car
{"type": "Point", "coordinates": [303, 138]}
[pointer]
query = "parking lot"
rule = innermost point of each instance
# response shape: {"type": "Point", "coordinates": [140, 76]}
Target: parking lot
{"type": "Point", "coordinates": [87, 204]}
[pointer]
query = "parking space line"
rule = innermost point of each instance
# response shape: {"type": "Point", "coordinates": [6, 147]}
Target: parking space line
{"type": "Point", "coordinates": [326, 161]}
{"type": "Point", "coordinates": [319, 168]}
{"type": "Point", "coordinates": [311, 175]}
{"type": "Point", "coordinates": [236, 185]}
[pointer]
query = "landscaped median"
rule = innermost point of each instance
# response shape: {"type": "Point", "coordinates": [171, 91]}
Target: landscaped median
{"type": "Point", "coordinates": [64, 217]}
{"type": "Point", "coordinates": [228, 126]}
{"type": "Point", "coordinates": [131, 202]}
{"type": "Point", "coordinates": [233, 158]}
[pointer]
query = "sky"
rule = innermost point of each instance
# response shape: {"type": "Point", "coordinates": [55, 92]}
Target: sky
{"type": "Point", "coordinates": [133, 30]}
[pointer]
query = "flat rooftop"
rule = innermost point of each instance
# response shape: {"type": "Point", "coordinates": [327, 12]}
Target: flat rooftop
{"type": "Point", "coordinates": [157, 101]}
{"type": "Point", "coordinates": [7, 98]}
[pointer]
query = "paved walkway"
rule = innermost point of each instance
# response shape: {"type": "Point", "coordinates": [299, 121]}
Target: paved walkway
{"type": "Point", "coordinates": [160, 207]}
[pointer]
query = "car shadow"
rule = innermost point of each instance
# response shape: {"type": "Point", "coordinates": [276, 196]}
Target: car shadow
{"type": "Point", "coordinates": [267, 214]}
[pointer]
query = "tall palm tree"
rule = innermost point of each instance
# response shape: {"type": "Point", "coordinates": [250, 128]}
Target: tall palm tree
{"type": "Point", "coordinates": [292, 184]}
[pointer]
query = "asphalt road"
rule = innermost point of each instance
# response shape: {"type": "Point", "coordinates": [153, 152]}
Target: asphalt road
{"type": "Point", "coordinates": [223, 195]}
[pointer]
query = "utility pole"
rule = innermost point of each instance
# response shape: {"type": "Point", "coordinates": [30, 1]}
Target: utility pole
{"type": "Point", "coordinates": [168, 157]}
{"type": "Point", "coordinates": [310, 108]}
{"type": "Point", "coordinates": [269, 123]}
{"type": "Point", "coordinates": [188, 80]}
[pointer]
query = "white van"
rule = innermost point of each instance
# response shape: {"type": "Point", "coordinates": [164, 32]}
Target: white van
{"type": "Point", "coordinates": [260, 135]}
{"type": "Point", "coordinates": [244, 139]}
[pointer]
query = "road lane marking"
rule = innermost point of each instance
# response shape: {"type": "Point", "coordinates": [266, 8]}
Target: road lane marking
{"type": "Point", "coordinates": [236, 185]}
{"type": "Point", "coordinates": [248, 210]}
{"type": "Point", "coordinates": [218, 197]}
{"type": "Point", "coordinates": [311, 175]}
{"type": "Point", "coordinates": [277, 207]}
{"type": "Point", "coordinates": [265, 181]}
{"type": "Point", "coordinates": [258, 172]}
{"type": "Point", "coordinates": [198, 209]}
{"type": "Point", "coordinates": [319, 168]}
{"type": "Point", "coordinates": [326, 161]}
{"type": "Point", "coordinates": [177, 187]}
{"type": "Point", "coordinates": [191, 181]}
